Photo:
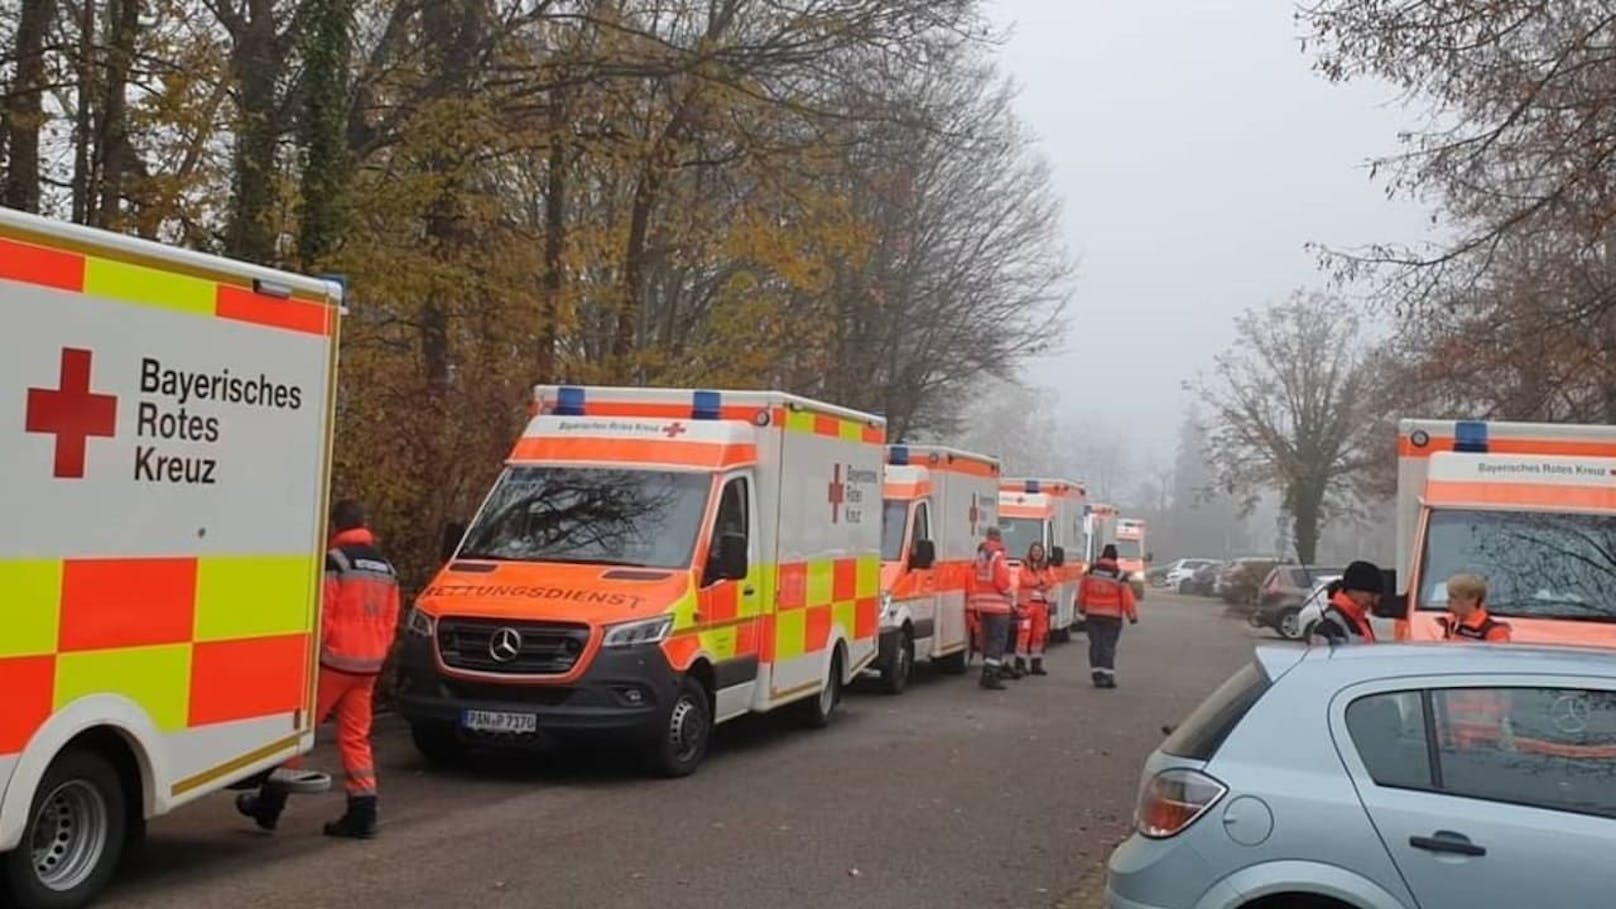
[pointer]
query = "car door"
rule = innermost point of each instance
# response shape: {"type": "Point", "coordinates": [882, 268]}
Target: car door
{"type": "Point", "coordinates": [731, 610]}
{"type": "Point", "coordinates": [1493, 793]}
{"type": "Point", "coordinates": [923, 607]}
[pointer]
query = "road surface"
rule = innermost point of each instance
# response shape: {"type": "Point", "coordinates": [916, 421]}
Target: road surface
{"type": "Point", "coordinates": [946, 796]}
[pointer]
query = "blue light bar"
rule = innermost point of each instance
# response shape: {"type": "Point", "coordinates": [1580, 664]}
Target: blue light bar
{"type": "Point", "coordinates": [706, 405]}
{"type": "Point", "coordinates": [898, 455]}
{"type": "Point", "coordinates": [1470, 436]}
{"type": "Point", "coordinates": [569, 401]}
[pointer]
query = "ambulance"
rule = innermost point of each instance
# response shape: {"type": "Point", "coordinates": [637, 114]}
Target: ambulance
{"type": "Point", "coordinates": [1530, 507]}
{"type": "Point", "coordinates": [1049, 512]}
{"type": "Point", "coordinates": [1099, 530]}
{"type": "Point", "coordinates": [936, 502]}
{"type": "Point", "coordinates": [165, 419]}
{"type": "Point", "coordinates": [1133, 559]}
{"type": "Point", "coordinates": [652, 562]}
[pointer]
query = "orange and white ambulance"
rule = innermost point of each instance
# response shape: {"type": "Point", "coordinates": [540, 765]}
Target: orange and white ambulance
{"type": "Point", "coordinates": [649, 563]}
{"type": "Point", "coordinates": [1099, 530]}
{"type": "Point", "coordinates": [1049, 512]}
{"type": "Point", "coordinates": [1531, 507]}
{"type": "Point", "coordinates": [165, 423]}
{"type": "Point", "coordinates": [1133, 558]}
{"type": "Point", "coordinates": [936, 503]}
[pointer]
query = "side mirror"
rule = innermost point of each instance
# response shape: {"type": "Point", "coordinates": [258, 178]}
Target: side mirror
{"type": "Point", "coordinates": [1392, 606]}
{"type": "Point", "coordinates": [1150, 557]}
{"type": "Point", "coordinates": [729, 559]}
{"type": "Point", "coordinates": [923, 555]}
{"type": "Point", "coordinates": [1057, 556]}
{"type": "Point", "coordinates": [449, 543]}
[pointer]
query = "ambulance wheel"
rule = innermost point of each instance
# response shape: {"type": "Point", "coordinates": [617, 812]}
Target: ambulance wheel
{"type": "Point", "coordinates": [896, 673]}
{"type": "Point", "coordinates": [684, 742]}
{"type": "Point", "coordinates": [74, 838]}
{"type": "Point", "coordinates": [438, 744]}
{"type": "Point", "coordinates": [953, 664]}
{"type": "Point", "coordinates": [817, 710]}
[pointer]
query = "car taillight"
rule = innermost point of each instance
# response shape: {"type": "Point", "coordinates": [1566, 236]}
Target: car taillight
{"type": "Point", "coordinates": [1173, 800]}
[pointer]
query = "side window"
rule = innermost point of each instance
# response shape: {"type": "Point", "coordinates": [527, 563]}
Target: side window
{"type": "Point", "coordinates": [732, 520]}
{"type": "Point", "coordinates": [732, 516]}
{"type": "Point", "coordinates": [1545, 747]}
{"type": "Point", "coordinates": [922, 523]}
{"type": "Point", "coordinates": [1388, 731]}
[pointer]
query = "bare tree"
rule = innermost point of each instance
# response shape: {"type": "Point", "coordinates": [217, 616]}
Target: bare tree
{"type": "Point", "coordinates": [1290, 408]}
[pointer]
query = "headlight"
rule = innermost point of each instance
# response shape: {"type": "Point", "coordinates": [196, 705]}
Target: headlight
{"type": "Point", "coordinates": [886, 605]}
{"type": "Point", "coordinates": [419, 623]}
{"type": "Point", "coordinates": [643, 631]}
{"type": "Point", "coordinates": [1137, 576]}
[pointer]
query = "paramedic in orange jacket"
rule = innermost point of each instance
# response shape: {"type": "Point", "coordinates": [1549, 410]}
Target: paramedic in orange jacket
{"type": "Point", "coordinates": [1474, 717]}
{"type": "Point", "coordinates": [990, 598]}
{"type": "Point", "coordinates": [1032, 632]}
{"type": "Point", "coordinates": [1105, 598]}
{"type": "Point", "coordinates": [358, 618]}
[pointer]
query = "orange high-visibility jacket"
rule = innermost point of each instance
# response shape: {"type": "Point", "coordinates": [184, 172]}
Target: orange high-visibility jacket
{"type": "Point", "coordinates": [1104, 592]}
{"type": "Point", "coordinates": [1479, 627]}
{"type": "Point", "coordinates": [360, 611]}
{"type": "Point", "coordinates": [1037, 583]}
{"type": "Point", "coordinates": [990, 580]}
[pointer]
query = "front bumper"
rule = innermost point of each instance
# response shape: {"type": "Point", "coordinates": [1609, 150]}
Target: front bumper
{"type": "Point", "coordinates": [624, 694]}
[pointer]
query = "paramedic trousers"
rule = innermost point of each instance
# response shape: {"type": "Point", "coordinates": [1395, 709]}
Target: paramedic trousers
{"type": "Point", "coordinates": [350, 696]}
{"type": "Point", "coordinates": [996, 632]}
{"type": "Point", "coordinates": [1032, 630]}
{"type": "Point", "coordinates": [1104, 630]}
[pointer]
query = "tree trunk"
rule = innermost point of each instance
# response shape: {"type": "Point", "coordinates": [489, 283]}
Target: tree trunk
{"type": "Point", "coordinates": [25, 108]}
{"type": "Point", "coordinates": [1307, 508]}
{"type": "Point", "coordinates": [324, 128]}
{"type": "Point", "coordinates": [555, 246]}
{"type": "Point", "coordinates": [84, 182]}
{"type": "Point", "coordinates": [117, 154]}
{"type": "Point", "coordinates": [255, 65]}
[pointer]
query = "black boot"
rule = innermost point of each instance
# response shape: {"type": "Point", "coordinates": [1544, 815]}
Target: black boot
{"type": "Point", "coordinates": [264, 806]}
{"type": "Point", "coordinates": [1038, 666]}
{"type": "Point", "coordinates": [358, 822]}
{"type": "Point", "coordinates": [990, 678]}
{"type": "Point", "coordinates": [1014, 669]}
{"type": "Point", "coordinates": [1098, 677]}
{"type": "Point", "coordinates": [1021, 667]}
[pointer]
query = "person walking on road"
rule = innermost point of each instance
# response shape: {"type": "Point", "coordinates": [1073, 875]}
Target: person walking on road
{"type": "Point", "coordinates": [991, 599]}
{"type": "Point", "coordinates": [1106, 598]}
{"type": "Point", "coordinates": [1032, 626]}
{"type": "Point", "coordinates": [359, 614]}
{"type": "Point", "coordinates": [1352, 600]}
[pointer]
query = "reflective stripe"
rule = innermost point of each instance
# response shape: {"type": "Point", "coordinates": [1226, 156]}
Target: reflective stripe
{"type": "Point", "coordinates": [355, 665]}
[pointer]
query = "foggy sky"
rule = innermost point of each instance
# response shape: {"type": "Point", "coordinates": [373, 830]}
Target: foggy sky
{"type": "Point", "coordinates": [1195, 153]}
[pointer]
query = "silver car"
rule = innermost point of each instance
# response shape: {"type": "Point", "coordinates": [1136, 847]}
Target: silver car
{"type": "Point", "coordinates": [1414, 776]}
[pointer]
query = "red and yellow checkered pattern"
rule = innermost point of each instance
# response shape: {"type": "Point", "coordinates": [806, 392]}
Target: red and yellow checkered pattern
{"type": "Point", "coordinates": [812, 596]}
{"type": "Point", "coordinates": [192, 641]}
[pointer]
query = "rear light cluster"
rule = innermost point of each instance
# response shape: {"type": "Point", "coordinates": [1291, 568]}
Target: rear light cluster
{"type": "Point", "coordinates": [1173, 800]}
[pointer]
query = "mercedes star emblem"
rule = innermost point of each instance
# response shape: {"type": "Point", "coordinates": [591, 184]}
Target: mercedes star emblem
{"type": "Point", "coordinates": [1571, 713]}
{"type": "Point", "coordinates": [505, 645]}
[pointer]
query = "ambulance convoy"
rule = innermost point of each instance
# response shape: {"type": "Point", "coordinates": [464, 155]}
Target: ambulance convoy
{"type": "Point", "coordinates": [1051, 512]}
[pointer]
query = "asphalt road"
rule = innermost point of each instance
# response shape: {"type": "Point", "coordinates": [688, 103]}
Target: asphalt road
{"type": "Point", "coordinates": [945, 796]}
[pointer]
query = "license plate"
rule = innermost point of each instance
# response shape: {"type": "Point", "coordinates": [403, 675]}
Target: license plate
{"type": "Point", "coordinates": [499, 721]}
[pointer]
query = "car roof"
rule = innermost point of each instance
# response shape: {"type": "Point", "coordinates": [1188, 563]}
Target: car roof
{"type": "Point", "coordinates": [1367, 662]}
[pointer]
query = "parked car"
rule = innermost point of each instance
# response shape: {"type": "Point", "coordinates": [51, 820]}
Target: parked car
{"type": "Point", "coordinates": [1284, 591]}
{"type": "Point", "coordinates": [1204, 582]}
{"type": "Point", "coordinates": [1183, 570]}
{"type": "Point", "coordinates": [1340, 777]}
{"type": "Point", "coordinates": [1242, 578]}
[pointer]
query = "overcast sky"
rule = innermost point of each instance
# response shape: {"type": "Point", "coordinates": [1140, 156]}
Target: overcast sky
{"type": "Point", "coordinates": [1195, 153]}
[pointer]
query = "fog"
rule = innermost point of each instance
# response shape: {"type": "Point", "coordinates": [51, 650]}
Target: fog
{"type": "Point", "coordinates": [1196, 153]}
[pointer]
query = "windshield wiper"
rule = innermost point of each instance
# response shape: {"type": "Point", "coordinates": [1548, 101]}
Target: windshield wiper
{"type": "Point", "coordinates": [615, 563]}
{"type": "Point", "coordinates": [483, 557]}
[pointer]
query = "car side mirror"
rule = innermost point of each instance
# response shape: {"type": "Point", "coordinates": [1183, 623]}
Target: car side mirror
{"type": "Point", "coordinates": [1057, 556]}
{"type": "Point", "coordinates": [1391, 606]}
{"type": "Point", "coordinates": [449, 543]}
{"type": "Point", "coordinates": [1150, 557]}
{"type": "Point", "coordinates": [923, 555]}
{"type": "Point", "coordinates": [729, 560]}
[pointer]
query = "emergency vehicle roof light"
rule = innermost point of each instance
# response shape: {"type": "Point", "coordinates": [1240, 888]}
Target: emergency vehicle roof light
{"type": "Point", "coordinates": [898, 455]}
{"type": "Point", "coordinates": [569, 401]}
{"type": "Point", "coordinates": [1470, 436]}
{"type": "Point", "coordinates": [272, 289]}
{"type": "Point", "coordinates": [1032, 485]}
{"type": "Point", "coordinates": [705, 405]}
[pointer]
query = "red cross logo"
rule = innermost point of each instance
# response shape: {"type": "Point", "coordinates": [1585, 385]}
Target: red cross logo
{"type": "Point", "coordinates": [837, 494]}
{"type": "Point", "coordinates": [72, 413]}
{"type": "Point", "coordinates": [673, 430]}
{"type": "Point", "coordinates": [975, 514]}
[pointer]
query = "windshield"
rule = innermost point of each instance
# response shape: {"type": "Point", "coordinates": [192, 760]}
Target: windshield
{"type": "Point", "coordinates": [894, 521]}
{"type": "Point", "coordinates": [1020, 533]}
{"type": "Point", "coordinates": [1537, 565]}
{"type": "Point", "coordinates": [1128, 549]}
{"type": "Point", "coordinates": [641, 518]}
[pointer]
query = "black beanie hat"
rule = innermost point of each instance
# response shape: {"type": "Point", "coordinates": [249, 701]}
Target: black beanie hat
{"type": "Point", "coordinates": [1363, 576]}
{"type": "Point", "coordinates": [1109, 552]}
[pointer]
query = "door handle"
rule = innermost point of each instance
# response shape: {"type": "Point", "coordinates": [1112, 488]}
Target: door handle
{"type": "Point", "coordinates": [748, 590]}
{"type": "Point", "coordinates": [1447, 841]}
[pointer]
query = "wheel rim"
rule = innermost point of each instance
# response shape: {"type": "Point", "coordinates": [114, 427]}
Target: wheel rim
{"type": "Point", "coordinates": [69, 835]}
{"type": "Point", "coordinates": [1290, 625]}
{"type": "Point", "coordinates": [686, 729]}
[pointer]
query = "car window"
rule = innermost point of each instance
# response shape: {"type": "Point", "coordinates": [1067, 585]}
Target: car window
{"type": "Point", "coordinates": [1546, 747]}
{"type": "Point", "coordinates": [1300, 578]}
{"type": "Point", "coordinates": [1202, 733]}
{"type": "Point", "coordinates": [1388, 732]}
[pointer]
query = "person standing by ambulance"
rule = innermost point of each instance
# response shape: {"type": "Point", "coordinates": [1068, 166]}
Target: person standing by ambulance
{"type": "Point", "coordinates": [358, 619]}
{"type": "Point", "coordinates": [1468, 619]}
{"type": "Point", "coordinates": [1352, 599]}
{"type": "Point", "coordinates": [1106, 598]}
{"type": "Point", "coordinates": [990, 597]}
{"type": "Point", "coordinates": [1032, 632]}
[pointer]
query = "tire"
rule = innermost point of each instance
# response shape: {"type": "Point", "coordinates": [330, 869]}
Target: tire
{"type": "Point", "coordinates": [438, 745]}
{"type": "Point", "coordinates": [1289, 623]}
{"type": "Point", "coordinates": [683, 744]}
{"type": "Point", "coordinates": [82, 797]}
{"type": "Point", "coordinates": [817, 710]}
{"type": "Point", "coordinates": [1184, 588]}
{"type": "Point", "coordinates": [896, 675]}
{"type": "Point", "coordinates": [953, 664]}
